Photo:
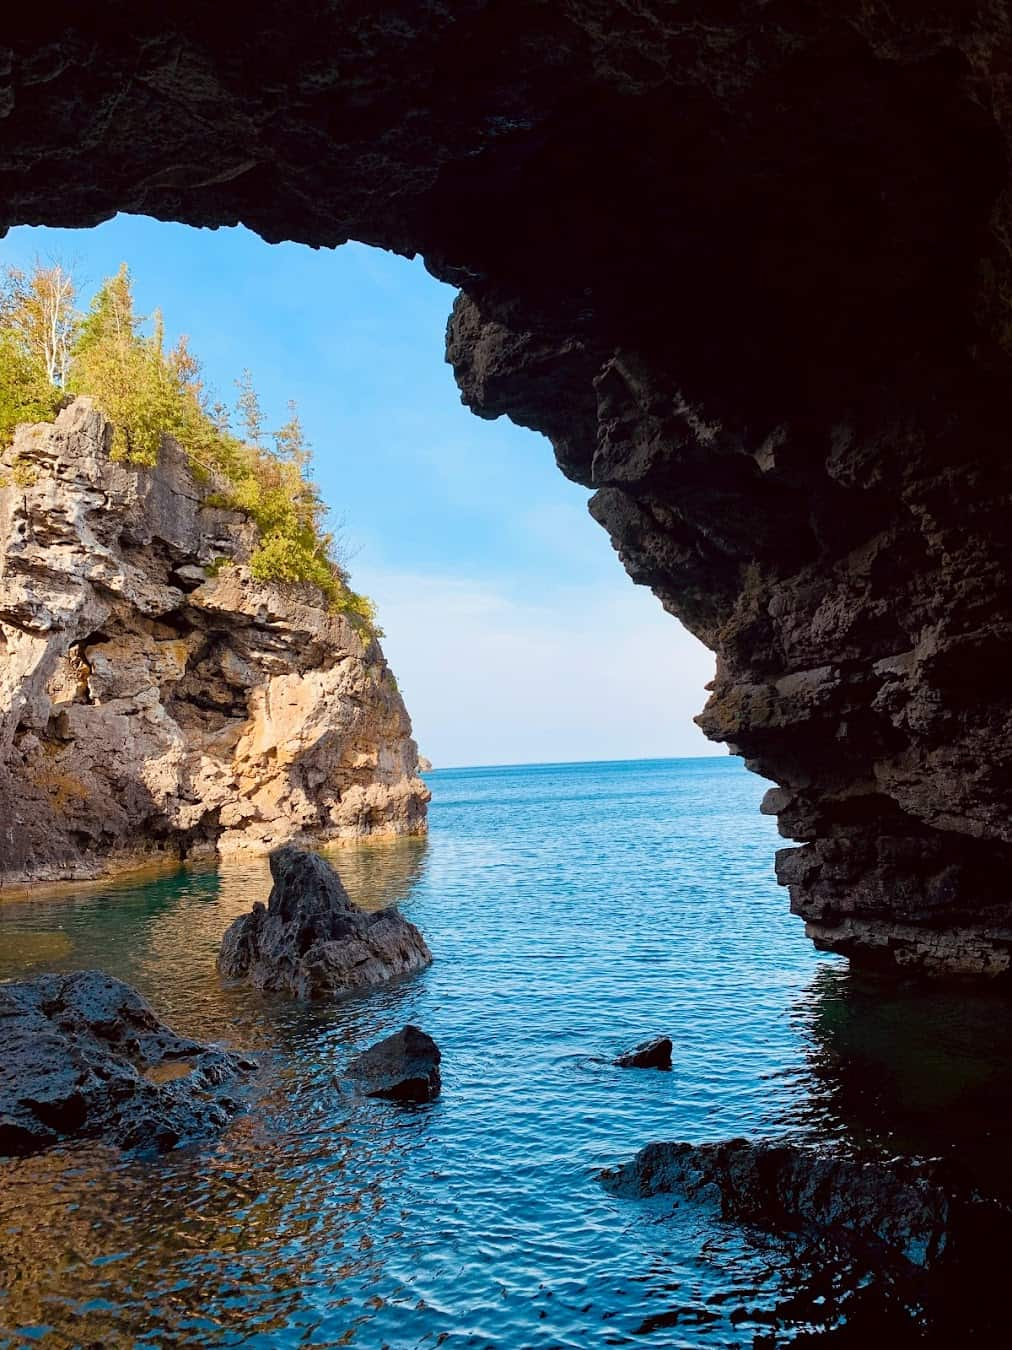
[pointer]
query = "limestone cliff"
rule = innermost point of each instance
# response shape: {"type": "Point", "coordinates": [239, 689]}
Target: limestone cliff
{"type": "Point", "coordinates": [156, 700]}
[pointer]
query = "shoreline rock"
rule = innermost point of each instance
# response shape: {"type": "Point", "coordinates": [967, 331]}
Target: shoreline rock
{"type": "Point", "coordinates": [84, 1056]}
{"type": "Point", "coordinates": [915, 1210]}
{"type": "Point", "coordinates": [403, 1067]}
{"type": "Point", "coordinates": [312, 941]}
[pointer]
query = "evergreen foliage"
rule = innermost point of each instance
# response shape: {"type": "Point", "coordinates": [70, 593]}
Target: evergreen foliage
{"type": "Point", "coordinates": [146, 393]}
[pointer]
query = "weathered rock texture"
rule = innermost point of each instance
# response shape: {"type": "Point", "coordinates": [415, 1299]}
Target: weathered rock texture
{"type": "Point", "coordinates": [312, 941]}
{"type": "Point", "coordinates": [84, 1056]}
{"type": "Point", "coordinates": [403, 1067]}
{"type": "Point", "coordinates": [151, 705]}
{"type": "Point", "coordinates": [750, 269]}
{"type": "Point", "coordinates": [911, 1210]}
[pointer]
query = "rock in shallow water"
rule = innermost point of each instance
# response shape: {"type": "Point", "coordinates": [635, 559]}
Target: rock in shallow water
{"type": "Point", "coordinates": [312, 941]}
{"type": "Point", "coordinates": [84, 1056]}
{"type": "Point", "coordinates": [653, 1054]}
{"type": "Point", "coordinates": [403, 1067]}
{"type": "Point", "coordinates": [915, 1210]}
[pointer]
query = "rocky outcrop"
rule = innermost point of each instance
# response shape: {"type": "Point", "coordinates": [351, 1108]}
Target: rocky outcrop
{"type": "Point", "coordinates": [403, 1067]}
{"type": "Point", "coordinates": [907, 1210]}
{"type": "Point", "coordinates": [155, 700]}
{"type": "Point", "coordinates": [751, 272]}
{"type": "Point", "coordinates": [84, 1057]}
{"type": "Point", "coordinates": [312, 941]}
{"type": "Point", "coordinates": [652, 1054]}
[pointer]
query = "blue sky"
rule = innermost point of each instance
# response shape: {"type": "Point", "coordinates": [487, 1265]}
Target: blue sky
{"type": "Point", "coordinates": [515, 634]}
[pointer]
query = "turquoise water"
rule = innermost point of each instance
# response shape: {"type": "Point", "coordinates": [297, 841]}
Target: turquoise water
{"type": "Point", "coordinates": [573, 910]}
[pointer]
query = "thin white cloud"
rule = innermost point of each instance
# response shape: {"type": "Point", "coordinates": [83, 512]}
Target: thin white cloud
{"type": "Point", "coordinates": [570, 673]}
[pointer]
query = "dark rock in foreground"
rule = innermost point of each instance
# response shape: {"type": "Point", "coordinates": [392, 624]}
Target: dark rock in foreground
{"type": "Point", "coordinates": [84, 1056]}
{"type": "Point", "coordinates": [653, 1054]}
{"type": "Point", "coordinates": [403, 1067]}
{"type": "Point", "coordinates": [312, 941]}
{"type": "Point", "coordinates": [911, 1209]}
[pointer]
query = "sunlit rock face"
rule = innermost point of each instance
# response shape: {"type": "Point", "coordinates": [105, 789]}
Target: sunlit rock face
{"type": "Point", "coordinates": [155, 700]}
{"type": "Point", "coordinates": [748, 269]}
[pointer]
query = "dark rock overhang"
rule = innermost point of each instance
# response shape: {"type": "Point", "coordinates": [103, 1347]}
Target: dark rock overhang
{"type": "Point", "coordinates": [747, 266]}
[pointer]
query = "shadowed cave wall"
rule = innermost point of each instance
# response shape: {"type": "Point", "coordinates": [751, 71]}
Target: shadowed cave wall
{"type": "Point", "coordinates": [747, 266]}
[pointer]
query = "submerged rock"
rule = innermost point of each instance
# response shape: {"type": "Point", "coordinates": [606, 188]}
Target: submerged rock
{"type": "Point", "coordinates": [652, 1054]}
{"type": "Point", "coordinates": [912, 1209]}
{"type": "Point", "coordinates": [403, 1067]}
{"type": "Point", "coordinates": [84, 1056]}
{"type": "Point", "coordinates": [312, 941]}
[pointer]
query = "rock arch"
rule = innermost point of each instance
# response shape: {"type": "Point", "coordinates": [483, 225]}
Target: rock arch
{"type": "Point", "coordinates": [747, 267]}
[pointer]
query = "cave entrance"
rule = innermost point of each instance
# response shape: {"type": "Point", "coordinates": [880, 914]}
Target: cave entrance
{"type": "Point", "coordinates": [508, 621]}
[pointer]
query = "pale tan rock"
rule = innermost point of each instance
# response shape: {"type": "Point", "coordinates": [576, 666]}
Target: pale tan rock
{"type": "Point", "coordinates": [145, 712]}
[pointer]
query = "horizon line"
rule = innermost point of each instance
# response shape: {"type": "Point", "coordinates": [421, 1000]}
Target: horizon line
{"type": "Point", "coordinates": [574, 763]}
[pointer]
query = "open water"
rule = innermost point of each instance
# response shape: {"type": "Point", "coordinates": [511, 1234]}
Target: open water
{"type": "Point", "coordinates": [573, 910]}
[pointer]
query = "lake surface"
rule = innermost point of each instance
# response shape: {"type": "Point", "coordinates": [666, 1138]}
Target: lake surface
{"type": "Point", "coordinates": [573, 910]}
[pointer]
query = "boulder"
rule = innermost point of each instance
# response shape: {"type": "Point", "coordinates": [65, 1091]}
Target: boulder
{"type": "Point", "coordinates": [914, 1210]}
{"type": "Point", "coordinates": [653, 1054]}
{"type": "Point", "coordinates": [84, 1056]}
{"type": "Point", "coordinates": [403, 1067]}
{"type": "Point", "coordinates": [312, 941]}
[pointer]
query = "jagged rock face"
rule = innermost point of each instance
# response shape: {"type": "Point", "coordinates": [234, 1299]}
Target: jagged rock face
{"type": "Point", "coordinates": [156, 703]}
{"type": "Point", "coordinates": [83, 1056]}
{"type": "Point", "coordinates": [749, 270]}
{"type": "Point", "coordinates": [312, 941]}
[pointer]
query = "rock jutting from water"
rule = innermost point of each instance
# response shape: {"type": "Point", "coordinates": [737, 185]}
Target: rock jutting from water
{"type": "Point", "coordinates": [312, 941]}
{"type": "Point", "coordinates": [652, 1054]}
{"type": "Point", "coordinates": [84, 1056]}
{"type": "Point", "coordinates": [403, 1067]}
{"type": "Point", "coordinates": [909, 1209]}
{"type": "Point", "coordinates": [156, 701]}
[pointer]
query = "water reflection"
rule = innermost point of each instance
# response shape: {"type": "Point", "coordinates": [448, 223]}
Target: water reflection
{"type": "Point", "coordinates": [914, 1068]}
{"type": "Point", "coordinates": [208, 1243]}
{"type": "Point", "coordinates": [161, 933]}
{"type": "Point", "coordinates": [571, 912]}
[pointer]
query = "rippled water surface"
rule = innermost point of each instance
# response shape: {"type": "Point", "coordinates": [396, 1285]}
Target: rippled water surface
{"type": "Point", "coordinates": [572, 910]}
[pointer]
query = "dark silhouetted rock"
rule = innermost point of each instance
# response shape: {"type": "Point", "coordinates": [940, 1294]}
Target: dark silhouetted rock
{"type": "Point", "coordinates": [84, 1056]}
{"type": "Point", "coordinates": [914, 1210]}
{"type": "Point", "coordinates": [312, 941]}
{"type": "Point", "coordinates": [403, 1067]}
{"type": "Point", "coordinates": [655, 1054]}
{"type": "Point", "coordinates": [793, 414]}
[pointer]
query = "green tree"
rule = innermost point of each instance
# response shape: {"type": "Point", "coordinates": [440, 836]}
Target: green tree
{"type": "Point", "coordinates": [148, 393]}
{"type": "Point", "coordinates": [37, 312]}
{"type": "Point", "coordinates": [251, 417]}
{"type": "Point", "coordinates": [28, 393]}
{"type": "Point", "coordinates": [125, 372]}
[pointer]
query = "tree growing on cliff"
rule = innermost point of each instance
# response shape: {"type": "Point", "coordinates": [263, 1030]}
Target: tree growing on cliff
{"type": "Point", "coordinates": [38, 312]}
{"type": "Point", "coordinates": [125, 371]}
{"type": "Point", "coordinates": [37, 326]}
{"type": "Point", "coordinates": [119, 358]}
